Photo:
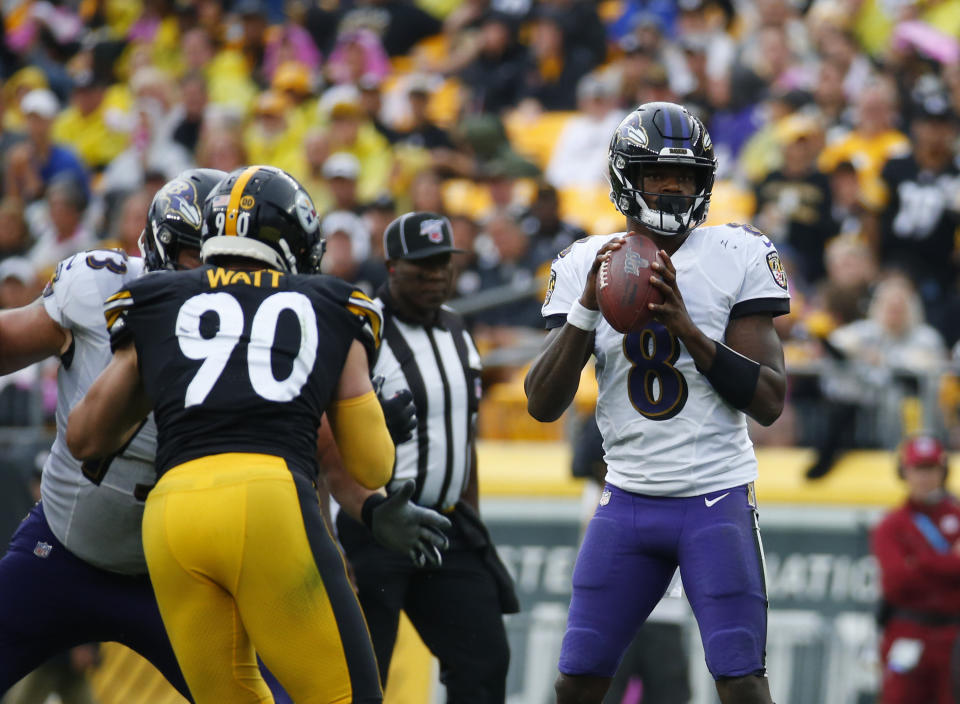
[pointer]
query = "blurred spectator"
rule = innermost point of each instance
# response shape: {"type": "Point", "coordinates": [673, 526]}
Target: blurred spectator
{"type": "Point", "coordinates": [289, 44]}
{"type": "Point", "coordinates": [851, 272]}
{"type": "Point", "coordinates": [94, 131]}
{"type": "Point", "coordinates": [582, 27]}
{"type": "Point", "coordinates": [377, 214]}
{"type": "Point", "coordinates": [922, 212]}
{"type": "Point", "coordinates": [831, 101]}
{"type": "Point", "coordinates": [32, 164]}
{"type": "Point", "coordinates": [494, 77]}
{"type": "Point", "coordinates": [152, 148]}
{"type": "Point", "coordinates": [509, 261]}
{"type": "Point", "coordinates": [341, 171]}
{"type": "Point", "coordinates": [848, 211]}
{"type": "Point", "coordinates": [221, 149]}
{"type": "Point", "coordinates": [917, 547]}
{"type": "Point", "coordinates": [426, 193]}
{"type": "Point", "coordinates": [553, 68]}
{"type": "Point", "coordinates": [399, 25]}
{"type": "Point", "coordinates": [422, 131]}
{"type": "Point", "coordinates": [57, 225]}
{"type": "Point", "coordinates": [371, 100]}
{"type": "Point", "coordinates": [579, 156]}
{"type": "Point", "coordinates": [542, 224]}
{"type": "Point", "coordinates": [357, 54]}
{"type": "Point", "coordinates": [129, 223]}
{"type": "Point", "coordinates": [187, 120]}
{"type": "Point", "coordinates": [19, 283]}
{"type": "Point", "coordinates": [351, 131]}
{"type": "Point", "coordinates": [352, 225]}
{"type": "Point", "coordinates": [253, 37]}
{"type": "Point", "coordinates": [228, 77]}
{"type": "Point", "coordinates": [293, 80]}
{"type": "Point", "coordinates": [14, 234]}
{"type": "Point", "coordinates": [877, 362]}
{"type": "Point", "coordinates": [270, 138]}
{"type": "Point", "coordinates": [465, 262]}
{"type": "Point", "coordinates": [8, 136]}
{"type": "Point", "coordinates": [793, 203]}
{"type": "Point", "coordinates": [872, 142]}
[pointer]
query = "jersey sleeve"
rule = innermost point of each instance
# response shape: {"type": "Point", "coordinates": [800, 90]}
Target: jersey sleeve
{"type": "Point", "coordinates": [74, 296]}
{"type": "Point", "coordinates": [567, 276]}
{"type": "Point", "coordinates": [765, 288]}
{"type": "Point", "coordinates": [366, 312]}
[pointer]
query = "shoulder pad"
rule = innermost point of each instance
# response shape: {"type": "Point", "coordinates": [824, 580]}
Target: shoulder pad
{"type": "Point", "coordinates": [371, 317]}
{"type": "Point", "coordinates": [115, 310]}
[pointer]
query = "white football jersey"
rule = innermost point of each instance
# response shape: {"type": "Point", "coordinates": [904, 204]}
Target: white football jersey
{"type": "Point", "coordinates": [666, 431]}
{"type": "Point", "coordinates": [99, 524]}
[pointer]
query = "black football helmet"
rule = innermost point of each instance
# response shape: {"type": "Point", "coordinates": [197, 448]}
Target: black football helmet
{"type": "Point", "coordinates": [175, 217]}
{"type": "Point", "coordinates": [263, 213]}
{"type": "Point", "coordinates": [661, 133]}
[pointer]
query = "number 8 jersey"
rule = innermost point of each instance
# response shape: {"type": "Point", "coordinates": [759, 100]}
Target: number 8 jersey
{"type": "Point", "coordinates": [238, 360]}
{"type": "Point", "coordinates": [666, 432]}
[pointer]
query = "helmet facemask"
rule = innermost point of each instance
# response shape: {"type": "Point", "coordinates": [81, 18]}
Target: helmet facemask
{"type": "Point", "coordinates": [665, 213]}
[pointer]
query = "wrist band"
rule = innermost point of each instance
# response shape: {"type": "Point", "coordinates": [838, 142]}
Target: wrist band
{"type": "Point", "coordinates": [366, 512]}
{"type": "Point", "coordinates": [733, 376]}
{"type": "Point", "coordinates": [582, 317]}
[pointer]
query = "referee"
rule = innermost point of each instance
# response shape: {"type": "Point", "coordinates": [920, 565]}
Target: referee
{"type": "Point", "coordinates": [457, 606]}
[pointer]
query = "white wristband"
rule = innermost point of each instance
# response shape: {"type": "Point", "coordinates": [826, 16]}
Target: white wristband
{"type": "Point", "coordinates": [583, 318]}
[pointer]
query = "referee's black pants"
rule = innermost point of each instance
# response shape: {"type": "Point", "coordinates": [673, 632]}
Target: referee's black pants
{"type": "Point", "coordinates": [456, 609]}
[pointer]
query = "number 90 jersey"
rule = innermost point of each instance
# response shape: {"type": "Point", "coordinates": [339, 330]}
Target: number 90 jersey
{"type": "Point", "coordinates": [240, 361]}
{"type": "Point", "coordinates": [666, 431]}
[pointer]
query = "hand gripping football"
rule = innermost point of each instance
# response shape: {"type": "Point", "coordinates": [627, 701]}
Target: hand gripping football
{"type": "Point", "coordinates": [623, 284]}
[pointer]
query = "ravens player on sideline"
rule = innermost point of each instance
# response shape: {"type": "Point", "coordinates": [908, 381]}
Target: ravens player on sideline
{"type": "Point", "coordinates": [87, 533]}
{"type": "Point", "coordinates": [239, 360]}
{"type": "Point", "coordinates": [672, 406]}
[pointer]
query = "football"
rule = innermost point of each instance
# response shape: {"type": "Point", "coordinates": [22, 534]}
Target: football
{"type": "Point", "coordinates": [623, 284]}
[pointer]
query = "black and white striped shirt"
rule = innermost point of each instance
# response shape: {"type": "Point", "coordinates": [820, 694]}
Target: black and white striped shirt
{"type": "Point", "coordinates": [441, 366]}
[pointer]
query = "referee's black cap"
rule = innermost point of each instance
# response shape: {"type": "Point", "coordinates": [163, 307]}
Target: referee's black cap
{"type": "Point", "coordinates": [417, 236]}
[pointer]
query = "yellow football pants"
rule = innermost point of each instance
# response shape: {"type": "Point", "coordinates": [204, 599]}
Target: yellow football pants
{"type": "Point", "coordinates": [241, 560]}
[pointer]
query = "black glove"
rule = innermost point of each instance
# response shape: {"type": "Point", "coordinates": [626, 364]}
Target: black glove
{"type": "Point", "coordinates": [399, 411]}
{"type": "Point", "coordinates": [400, 525]}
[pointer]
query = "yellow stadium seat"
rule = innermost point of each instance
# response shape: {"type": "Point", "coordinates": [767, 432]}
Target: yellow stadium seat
{"type": "Point", "coordinates": [730, 203]}
{"type": "Point", "coordinates": [591, 209]}
{"type": "Point", "coordinates": [534, 137]}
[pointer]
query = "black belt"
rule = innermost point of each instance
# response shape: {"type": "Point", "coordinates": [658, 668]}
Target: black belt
{"type": "Point", "coordinates": [926, 618]}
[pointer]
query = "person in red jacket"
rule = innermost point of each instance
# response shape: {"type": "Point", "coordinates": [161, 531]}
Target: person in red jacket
{"type": "Point", "coordinates": [917, 547]}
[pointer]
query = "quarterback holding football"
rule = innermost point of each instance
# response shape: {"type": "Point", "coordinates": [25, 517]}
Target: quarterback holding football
{"type": "Point", "coordinates": [674, 393]}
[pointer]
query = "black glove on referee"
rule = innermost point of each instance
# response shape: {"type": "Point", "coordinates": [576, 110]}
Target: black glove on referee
{"type": "Point", "coordinates": [399, 411]}
{"type": "Point", "coordinates": [400, 525]}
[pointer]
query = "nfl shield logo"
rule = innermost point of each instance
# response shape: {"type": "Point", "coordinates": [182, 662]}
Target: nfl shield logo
{"type": "Point", "coordinates": [433, 229]}
{"type": "Point", "coordinates": [42, 549]}
{"type": "Point", "coordinates": [605, 497]}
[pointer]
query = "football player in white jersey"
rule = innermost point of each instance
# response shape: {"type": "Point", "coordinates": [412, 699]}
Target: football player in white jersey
{"type": "Point", "coordinates": [75, 571]}
{"type": "Point", "coordinates": [672, 406]}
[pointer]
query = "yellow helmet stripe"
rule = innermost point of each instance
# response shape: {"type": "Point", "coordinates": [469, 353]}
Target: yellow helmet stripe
{"type": "Point", "coordinates": [233, 206]}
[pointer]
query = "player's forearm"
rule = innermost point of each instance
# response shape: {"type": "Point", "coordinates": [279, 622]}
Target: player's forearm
{"type": "Point", "coordinates": [29, 335]}
{"type": "Point", "coordinates": [111, 411]}
{"type": "Point", "coordinates": [553, 378]}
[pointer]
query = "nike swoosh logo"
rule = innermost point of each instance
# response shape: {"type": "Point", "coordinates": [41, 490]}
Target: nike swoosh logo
{"type": "Point", "coordinates": [711, 502]}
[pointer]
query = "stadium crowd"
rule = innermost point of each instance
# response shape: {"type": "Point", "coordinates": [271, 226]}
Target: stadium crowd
{"type": "Point", "coordinates": [834, 122]}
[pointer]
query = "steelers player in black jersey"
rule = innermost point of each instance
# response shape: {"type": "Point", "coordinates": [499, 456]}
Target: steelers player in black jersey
{"type": "Point", "coordinates": [239, 359]}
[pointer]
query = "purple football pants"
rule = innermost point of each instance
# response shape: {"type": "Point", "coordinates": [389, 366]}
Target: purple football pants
{"type": "Point", "coordinates": [51, 600]}
{"type": "Point", "coordinates": [632, 547]}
